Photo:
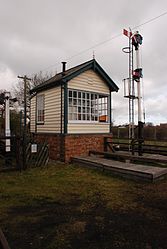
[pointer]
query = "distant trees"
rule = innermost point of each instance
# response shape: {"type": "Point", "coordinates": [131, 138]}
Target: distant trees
{"type": "Point", "coordinates": [18, 92]}
{"type": "Point", "coordinates": [37, 79]}
{"type": "Point", "coordinates": [15, 122]}
{"type": "Point", "coordinates": [2, 109]}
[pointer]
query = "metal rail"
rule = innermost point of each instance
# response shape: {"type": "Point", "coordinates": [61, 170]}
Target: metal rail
{"type": "Point", "coordinates": [146, 148]}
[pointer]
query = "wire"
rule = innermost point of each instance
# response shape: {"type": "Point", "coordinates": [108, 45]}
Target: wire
{"type": "Point", "coordinates": [103, 42]}
{"type": "Point", "coordinates": [95, 46]}
{"type": "Point", "coordinates": [83, 51]}
{"type": "Point", "coordinates": [151, 20]}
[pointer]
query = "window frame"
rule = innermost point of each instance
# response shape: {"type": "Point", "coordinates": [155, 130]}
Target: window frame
{"type": "Point", "coordinates": [74, 104]}
{"type": "Point", "coordinates": [40, 110]}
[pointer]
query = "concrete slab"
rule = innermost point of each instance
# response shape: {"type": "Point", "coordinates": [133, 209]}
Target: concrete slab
{"type": "Point", "coordinates": [129, 170]}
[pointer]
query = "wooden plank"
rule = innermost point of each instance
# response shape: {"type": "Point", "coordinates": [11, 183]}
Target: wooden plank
{"type": "Point", "coordinates": [3, 240]}
{"type": "Point", "coordinates": [88, 128]}
{"type": "Point", "coordinates": [128, 170]}
{"type": "Point", "coordinates": [121, 156]}
{"type": "Point", "coordinates": [89, 81]}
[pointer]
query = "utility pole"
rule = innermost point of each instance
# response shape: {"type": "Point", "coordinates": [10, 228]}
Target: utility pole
{"type": "Point", "coordinates": [25, 78]}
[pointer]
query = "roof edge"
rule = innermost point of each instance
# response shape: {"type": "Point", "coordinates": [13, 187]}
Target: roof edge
{"type": "Point", "coordinates": [73, 72]}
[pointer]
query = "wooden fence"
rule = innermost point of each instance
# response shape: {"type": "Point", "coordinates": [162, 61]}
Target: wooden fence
{"type": "Point", "coordinates": [21, 155]}
{"type": "Point", "coordinates": [38, 158]}
{"type": "Point", "coordinates": [111, 144]}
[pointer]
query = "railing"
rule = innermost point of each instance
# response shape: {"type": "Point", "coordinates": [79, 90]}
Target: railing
{"type": "Point", "coordinates": [124, 145]}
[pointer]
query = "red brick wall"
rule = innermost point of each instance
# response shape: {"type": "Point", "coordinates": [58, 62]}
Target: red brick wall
{"type": "Point", "coordinates": [77, 145]}
{"type": "Point", "coordinates": [72, 145]}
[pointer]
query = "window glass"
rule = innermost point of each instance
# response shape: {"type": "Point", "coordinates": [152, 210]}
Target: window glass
{"type": "Point", "coordinates": [74, 101]}
{"type": "Point", "coordinates": [79, 102]}
{"type": "Point", "coordinates": [70, 93]}
{"type": "Point", "coordinates": [70, 102]}
{"type": "Point", "coordinates": [74, 94]}
{"type": "Point", "coordinates": [40, 108]}
{"type": "Point", "coordinates": [86, 106]}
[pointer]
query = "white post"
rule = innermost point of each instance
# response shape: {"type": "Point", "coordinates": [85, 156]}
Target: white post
{"type": "Point", "coordinates": [7, 121]}
{"type": "Point", "coordinates": [138, 88]}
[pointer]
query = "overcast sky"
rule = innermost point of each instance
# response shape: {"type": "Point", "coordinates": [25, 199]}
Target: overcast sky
{"type": "Point", "coordinates": [38, 34]}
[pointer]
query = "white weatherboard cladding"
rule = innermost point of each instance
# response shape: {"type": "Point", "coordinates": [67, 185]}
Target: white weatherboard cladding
{"type": "Point", "coordinates": [52, 112]}
{"type": "Point", "coordinates": [88, 128]}
{"type": "Point", "coordinates": [89, 81]}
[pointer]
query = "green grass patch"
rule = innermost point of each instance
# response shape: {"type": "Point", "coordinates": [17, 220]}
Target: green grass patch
{"type": "Point", "coordinates": [66, 206]}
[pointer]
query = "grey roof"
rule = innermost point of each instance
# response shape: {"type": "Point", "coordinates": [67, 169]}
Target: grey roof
{"type": "Point", "coordinates": [73, 72]}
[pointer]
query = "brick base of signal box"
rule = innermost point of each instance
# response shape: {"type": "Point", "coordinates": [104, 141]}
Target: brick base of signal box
{"type": "Point", "coordinates": [64, 147]}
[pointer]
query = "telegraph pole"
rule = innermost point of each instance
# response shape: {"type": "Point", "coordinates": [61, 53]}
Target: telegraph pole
{"type": "Point", "coordinates": [25, 79]}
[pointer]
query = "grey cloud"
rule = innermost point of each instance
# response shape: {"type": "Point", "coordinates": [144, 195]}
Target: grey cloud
{"type": "Point", "coordinates": [38, 34]}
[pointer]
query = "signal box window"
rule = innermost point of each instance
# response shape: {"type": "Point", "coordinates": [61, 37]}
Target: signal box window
{"type": "Point", "coordinates": [40, 109]}
{"type": "Point", "coordinates": [87, 107]}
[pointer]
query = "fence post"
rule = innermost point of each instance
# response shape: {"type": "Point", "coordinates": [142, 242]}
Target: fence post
{"type": "Point", "coordinates": [105, 144]}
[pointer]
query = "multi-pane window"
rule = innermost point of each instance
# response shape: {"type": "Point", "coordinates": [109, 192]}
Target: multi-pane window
{"type": "Point", "coordinates": [40, 108]}
{"type": "Point", "coordinates": [87, 106]}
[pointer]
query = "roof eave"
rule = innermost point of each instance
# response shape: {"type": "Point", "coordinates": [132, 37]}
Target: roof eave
{"type": "Point", "coordinates": [86, 66]}
{"type": "Point", "coordinates": [45, 87]}
{"type": "Point", "coordinates": [97, 68]}
{"type": "Point", "coordinates": [76, 73]}
{"type": "Point", "coordinates": [113, 87]}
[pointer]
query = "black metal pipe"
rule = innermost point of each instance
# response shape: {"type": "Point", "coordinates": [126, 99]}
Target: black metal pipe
{"type": "Point", "coordinates": [140, 138]}
{"type": "Point", "coordinates": [64, 67]}
{"type": "Point", "coordinates": [61, 108]}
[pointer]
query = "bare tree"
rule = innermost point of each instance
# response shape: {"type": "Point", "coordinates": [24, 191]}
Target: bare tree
{"type": "Point", "coordinates": [37, 79]}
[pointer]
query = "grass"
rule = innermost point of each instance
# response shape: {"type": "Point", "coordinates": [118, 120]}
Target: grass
{"type": "Point", "coordinates": [67, 207]}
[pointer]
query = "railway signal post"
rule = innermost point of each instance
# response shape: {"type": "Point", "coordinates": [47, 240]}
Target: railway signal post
{"type": "Point", "coordinates": [135, 75]}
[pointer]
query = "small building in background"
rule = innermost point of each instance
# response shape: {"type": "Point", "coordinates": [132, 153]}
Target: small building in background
{"type": "Point", "coordinates": [72, 110]}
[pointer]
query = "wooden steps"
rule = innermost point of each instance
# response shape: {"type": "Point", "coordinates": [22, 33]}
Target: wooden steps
{"type": "Point", "coordinates": [128, 170]}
